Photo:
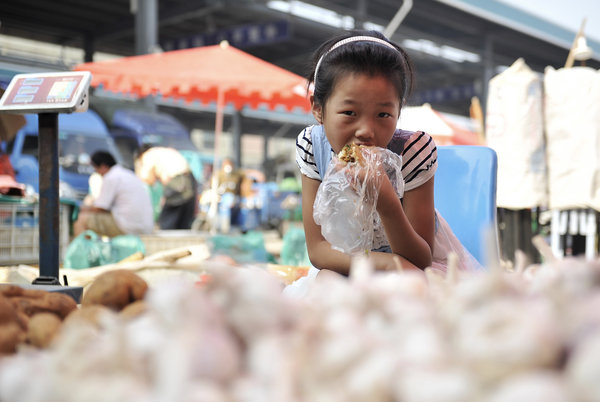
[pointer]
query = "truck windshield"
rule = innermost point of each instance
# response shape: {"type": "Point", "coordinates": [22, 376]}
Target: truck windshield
{"type": "Point", "coordinates": [75, 151]}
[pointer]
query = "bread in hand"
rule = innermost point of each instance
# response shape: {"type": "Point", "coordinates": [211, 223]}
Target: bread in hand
{"type": "Point", "coordinates": [351, 153]}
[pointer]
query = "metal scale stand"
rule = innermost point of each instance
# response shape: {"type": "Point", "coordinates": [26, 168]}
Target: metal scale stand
{"type": "Point", "coordinates": [48, 95]}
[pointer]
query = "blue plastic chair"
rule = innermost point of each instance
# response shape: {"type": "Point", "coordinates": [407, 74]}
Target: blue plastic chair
{"type": "Point", "coordinates": [465, 195]}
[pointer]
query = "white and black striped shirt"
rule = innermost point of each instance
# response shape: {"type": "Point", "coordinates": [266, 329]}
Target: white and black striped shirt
{"type": "Point", "coordinates": [418, 150]}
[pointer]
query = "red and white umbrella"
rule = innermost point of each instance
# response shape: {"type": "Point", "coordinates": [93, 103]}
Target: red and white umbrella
{"type": "Point", "coordinates": [446, 129]}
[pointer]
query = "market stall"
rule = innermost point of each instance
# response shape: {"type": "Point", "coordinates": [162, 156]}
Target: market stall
{"type": "Point", "coordinates": [231, 335]}
{"type": "Point", "coordinates": [544, 128]}
{"type": "Point", "coordinates": [515, 130]}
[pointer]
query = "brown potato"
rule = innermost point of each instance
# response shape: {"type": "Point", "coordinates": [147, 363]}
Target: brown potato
{"type": "Point", "coordinates": [88, 314]}
{"type": "Point", "coordinates": [7, 312]}
{"type": "Point", "coordinates": [134, 309]}
{"type": "Point", "coordinates": [52, 302]}
{"type": "Point", "coordinates": [8, 290]}
{"type": "Point", "coordinates": [60, 303]}
{"type": "Point", "coordinates": [115, 289]}
{"type": "Point", "coordinates": [43, 328]}
{"type": "Point", "coordinates": [11, 335]}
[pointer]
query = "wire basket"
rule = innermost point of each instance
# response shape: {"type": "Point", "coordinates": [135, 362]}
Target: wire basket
{"type": "Point", "coordinates": [19, 232]}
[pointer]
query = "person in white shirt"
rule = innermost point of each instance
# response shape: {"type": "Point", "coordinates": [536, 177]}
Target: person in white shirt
{"type": "Point", "coordinates": [180, 194]}
{"type": "Point", "coordinates": [123, 205]}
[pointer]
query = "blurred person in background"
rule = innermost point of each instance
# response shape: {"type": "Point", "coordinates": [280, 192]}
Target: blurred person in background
{"type": "Point", "coordinates": [229, 190]}
{"type": "Point", "coordinates": [179, 199]}
{"type": "Point", "coordinates": [229, 179]}
{"type": "Point", "coordinates": [8, 185]}
{"type": "Point", "coordinates": [6, 168]}
{"type": "Point", "coordinates": [94, 184]}
{"type": "Point", "coordinates": [122, 206]}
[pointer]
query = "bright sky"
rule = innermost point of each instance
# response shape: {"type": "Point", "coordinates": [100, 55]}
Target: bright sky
{"type": "Point", "coordinates": [567, 14]}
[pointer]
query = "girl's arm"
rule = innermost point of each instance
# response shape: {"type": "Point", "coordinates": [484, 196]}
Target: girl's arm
{"type": "Point", "coordinates": [320, 252]}
{"type": "Point", "coordinates": [409, 225]}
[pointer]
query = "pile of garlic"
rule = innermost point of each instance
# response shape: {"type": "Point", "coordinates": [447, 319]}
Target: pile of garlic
{"type": "Point", "coordinates": [494, 336]}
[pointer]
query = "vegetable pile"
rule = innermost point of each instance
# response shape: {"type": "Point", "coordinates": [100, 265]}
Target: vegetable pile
{"type": "Point", "coordinates": [493, 336]}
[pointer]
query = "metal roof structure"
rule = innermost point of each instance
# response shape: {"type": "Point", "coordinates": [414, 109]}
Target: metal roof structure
{"type": "Point", "coordinates": [432, 32]}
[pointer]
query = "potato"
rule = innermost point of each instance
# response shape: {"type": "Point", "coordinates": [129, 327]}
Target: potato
{"type": "Point", "coordinates": [9, 290]}
{"type": "Point", "coordinates": [7, 312]}
{"type": "Point", "coordinates": [51, 302]}
{"type": "Point", "coordinates": [11, 335]}
{"type": "Point", "coordinates": [115, 289]}
{"type": "Point", "coordinates": [134, 309]}
{"type": "Point", "coordinates": [88, 314]}
{"type": "Point", "coordinates": [43, 328]}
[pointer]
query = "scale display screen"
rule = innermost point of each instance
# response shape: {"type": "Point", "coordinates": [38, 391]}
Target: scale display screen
{"type": "Point", "coordinates": [46, 92]}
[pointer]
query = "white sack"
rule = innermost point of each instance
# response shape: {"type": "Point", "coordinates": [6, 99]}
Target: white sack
{"type": "Point", "coordinates": [572, 120]}
{"type": "Point", "coordinates": [515, 130]}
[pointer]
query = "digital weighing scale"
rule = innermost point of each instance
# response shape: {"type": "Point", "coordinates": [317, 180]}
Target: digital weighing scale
{"type": "Point", "coordinates": [47, 95]}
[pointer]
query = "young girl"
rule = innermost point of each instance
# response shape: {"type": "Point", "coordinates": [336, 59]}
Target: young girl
{"type": "Point", "coordinates": [361, 81]}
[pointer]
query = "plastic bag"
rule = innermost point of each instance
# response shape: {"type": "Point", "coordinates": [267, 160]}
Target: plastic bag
{"type": "Point", "coordinates": [345, 205]}
{"type": "Point", "coordinates": [91, 250]}
{"type": "Point", "coordinates": [124, 246]}
{"type": "Point", "coordinates": [293, 251]}
{"type": "Point", "coordinates": [247, 248]}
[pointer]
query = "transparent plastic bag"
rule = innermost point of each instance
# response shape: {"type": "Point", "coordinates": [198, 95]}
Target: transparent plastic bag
{"type": "Point", "coordinates": [447, 243]}
{"type": "Point", "coordinates": [345, 205]}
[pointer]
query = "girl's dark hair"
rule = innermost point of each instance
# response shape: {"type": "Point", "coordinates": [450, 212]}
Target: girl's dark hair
{"type": "Point", "coordinates": [362, 57]}
{"type": "Point", "coordinates": [103, 158]}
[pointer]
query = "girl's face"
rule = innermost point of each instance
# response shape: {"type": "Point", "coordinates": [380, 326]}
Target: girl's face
{"type": "Point", "coordinates": [362, 109]}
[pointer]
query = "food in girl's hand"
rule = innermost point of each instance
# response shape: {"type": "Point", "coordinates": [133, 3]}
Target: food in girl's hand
{"type": "Point", "coordinates": [351, 153]}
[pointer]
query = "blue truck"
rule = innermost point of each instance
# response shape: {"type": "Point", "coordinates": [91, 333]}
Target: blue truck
{"type": "Point", "coordinates": [79, 136]}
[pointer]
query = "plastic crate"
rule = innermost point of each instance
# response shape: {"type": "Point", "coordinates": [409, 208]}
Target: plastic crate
{"type": "Point", "coordinates": [19, 232]}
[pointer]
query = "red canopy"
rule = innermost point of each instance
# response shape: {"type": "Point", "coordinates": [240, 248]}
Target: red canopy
{"type": "Point", "coordinates": [199, 74]}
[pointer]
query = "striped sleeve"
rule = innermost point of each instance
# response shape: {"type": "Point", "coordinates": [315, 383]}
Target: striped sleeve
{"type": "Point", "coordinates": [304, 154]}
{"type": "Point", "coordinates": [419, 160]}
